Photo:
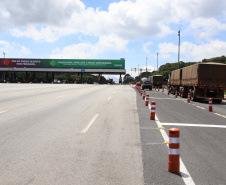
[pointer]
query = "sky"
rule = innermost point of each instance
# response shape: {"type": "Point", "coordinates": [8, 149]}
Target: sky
{"type": "Point", "coordinates": [112, 29]}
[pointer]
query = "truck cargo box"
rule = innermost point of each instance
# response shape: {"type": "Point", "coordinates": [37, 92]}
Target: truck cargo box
{"type": "Point", "coordinates": [175, 77]}
{"type": "Point", "coordinates": [156, 80]}
{"type": "Point", "coordinates": [204, 74]}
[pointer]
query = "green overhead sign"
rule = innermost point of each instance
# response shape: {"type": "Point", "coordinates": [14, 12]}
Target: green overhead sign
{"type": "Point", "coordinates": [63, 63]}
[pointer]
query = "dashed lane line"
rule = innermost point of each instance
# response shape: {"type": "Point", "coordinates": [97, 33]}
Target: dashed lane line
{"type": "Point", "coordinates": [90, 123]}
{"type": "Point", "coordinates": [60, 96]}
{"type": "Point", "coordinates": [221, 115]}
{"type": "Point", "coordinates": [201, 107]}
{"type": "Point", "coordinates": [2, 112]}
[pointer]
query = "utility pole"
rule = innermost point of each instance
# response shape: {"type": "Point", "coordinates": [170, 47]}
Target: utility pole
{"type": "Point", "coordinates": [146, 67]}
{"type": "Point", "coordinates": [157, 63]}
{"type": "Point", "coordinates": [179, 50]}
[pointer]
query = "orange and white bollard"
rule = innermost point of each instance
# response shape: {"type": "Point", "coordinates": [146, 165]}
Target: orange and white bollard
{"type": "Point", "coordinates": [144, 94]}
{"type": "Point", "coordinates": [174, 150]}
{"type": "Point", "coordinates": [210, 104]}
{"type": "Point", "coordinates": [176, 94]}
{"type": "Point", "coordinates": [141, 92]}
{"type": "Point", "coordinates": [147, 100]}
{"type": "Point", "coordinates": [152, 114]}
{"type": "Point", "coordinates": [168, 92]}
{"type": "Point", "coordinates": [189, 97]}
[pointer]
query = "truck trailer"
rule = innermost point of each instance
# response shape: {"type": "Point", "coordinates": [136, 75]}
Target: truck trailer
{"type": "Point", "coordinates": [202, 80]}
{"type": "Point", "coordinates": [156, 80]}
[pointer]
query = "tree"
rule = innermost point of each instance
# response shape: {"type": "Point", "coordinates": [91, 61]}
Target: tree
{"type": "Point", "coordinates": [128, 79]}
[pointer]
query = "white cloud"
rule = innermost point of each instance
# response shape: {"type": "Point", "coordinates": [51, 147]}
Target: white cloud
{"type": "Point", "coordinates": [89, 50]}
{"type": "Point", "coordinates": [194, 52]}
{"type": "Point", "coordinates": [11, 49]}
{"type": "Point", "coordinates": [207, 28]}
{"type": "Point", "coordinates": [46, 33]}
{"type": "Point", "coordinates": [167, 48]}
{"type": "Point", "coordinates": [145, 47]}
{"type": "Point", "coordinates": [112, 42]}
{"type": "Point", "coordinates": [82, 50]}
{"type": "Point", "coordinates": [123, 22]}
{"type": "Point", "coordinates": [25, 50]}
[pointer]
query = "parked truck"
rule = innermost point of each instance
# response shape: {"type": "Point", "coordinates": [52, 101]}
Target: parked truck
{"type": "Point", "coordinates": [156, 80]}
{"type": "Point", "coordinates": [202, 80]}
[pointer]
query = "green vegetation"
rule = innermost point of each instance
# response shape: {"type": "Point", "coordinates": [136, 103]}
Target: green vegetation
{"type": "Point", "coordinates": [165, 69]}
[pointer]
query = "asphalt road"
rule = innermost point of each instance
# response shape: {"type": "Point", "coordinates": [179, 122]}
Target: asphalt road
{"type": "Point", "coordinates": [202, 140]}
{"type": "Point", "coordinates": [102, 134]}
{"type": "Point", "coordinates": [69, 134]}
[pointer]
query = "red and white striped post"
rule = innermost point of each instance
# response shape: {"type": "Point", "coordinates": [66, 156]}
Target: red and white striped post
{"type": "Point", "coordinates": [152, 114]}
{"type": "Point", "coordinates": [210, 104]}
{"type": "Point", "coordinates": [189, 98]}
{"type": "Point", "coordinates": [176, 94]}
{"type": "Point", "coordinates": [147, 99]}
{"type": "Point", "coordinates": [168, 91]}
{"type": "Point", "coordinates": [144, 94]}
{"type": "Point", "coordinates": [141, 92]}
{"type": "Point", "coordinates": [174, 150]}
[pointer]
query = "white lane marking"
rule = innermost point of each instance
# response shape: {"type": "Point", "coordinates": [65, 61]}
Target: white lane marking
{"type": "Point", "coordinates": [183, 170]}
{"type": "Point", "coordinates": [164, 98]}
{"type": "Point", "coordinates": [109, 98]}
{"type": "Point", "coordinates": [2, 112]}
{"type": "Point", "coordinates": [60, 96]}
{"type": "Point", "coordinates": [200, 107]}
{"type": "Point", "coordinates": [194, 125]}
{"type": "Point", "coordinates": [90, 123]}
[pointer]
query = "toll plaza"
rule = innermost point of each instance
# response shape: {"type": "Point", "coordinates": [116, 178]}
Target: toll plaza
{"type": "Point", "coordinates": [11, 67]}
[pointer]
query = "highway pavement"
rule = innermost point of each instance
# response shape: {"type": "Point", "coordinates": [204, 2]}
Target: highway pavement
{"type": "Point", "coordinates": [69, 134]}
{"type": "Point", "coordinates": [102, 134]}
{"type": "Point", "coordinates": [202, 140]}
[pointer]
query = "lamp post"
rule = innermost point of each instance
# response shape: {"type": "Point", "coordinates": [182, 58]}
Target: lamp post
{"type": "Point", "coordinates": [179, 50]}
{"type": "Point", "coordinates": [146, 67]}
{"type": "Point", "coordinates": [157, 62]}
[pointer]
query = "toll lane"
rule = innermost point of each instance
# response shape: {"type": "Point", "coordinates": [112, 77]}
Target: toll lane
{"type": "Point", "coordinates": [202, 140]}
{"type": "Point", "coordinates": [43, 141]}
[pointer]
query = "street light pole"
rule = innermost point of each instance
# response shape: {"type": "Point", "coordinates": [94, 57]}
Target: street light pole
{"type": "Point", "coordinates": [179, 50]}
{"type": "Point", "coordinates": [157, 62]}
{"type": "Point", "coordinates": [146, 67]}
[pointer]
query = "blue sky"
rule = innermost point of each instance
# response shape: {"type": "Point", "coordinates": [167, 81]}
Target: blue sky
{"type": "Point", "coordinates": [108, 29]}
